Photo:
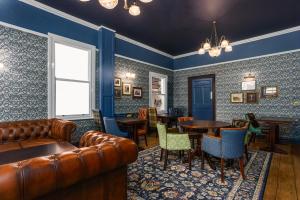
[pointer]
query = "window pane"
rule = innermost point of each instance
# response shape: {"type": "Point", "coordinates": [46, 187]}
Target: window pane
{"type": "Point", "coordinates": [71, 63]}
{"type": "Point", "coordinates": [72, 98]}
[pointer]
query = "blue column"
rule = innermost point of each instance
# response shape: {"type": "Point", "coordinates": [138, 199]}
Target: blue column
{"type": "Point", "coordinates": [106, 44]}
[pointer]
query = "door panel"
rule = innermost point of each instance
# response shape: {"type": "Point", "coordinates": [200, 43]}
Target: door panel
{"type": "Point", "coordinates": [202, 98]}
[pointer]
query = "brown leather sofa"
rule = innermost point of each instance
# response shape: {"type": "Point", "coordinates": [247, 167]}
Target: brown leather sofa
{"type": "Point", "coordinates": [91, 172]}
{"type": "Point", "coordinates": [22, 134]}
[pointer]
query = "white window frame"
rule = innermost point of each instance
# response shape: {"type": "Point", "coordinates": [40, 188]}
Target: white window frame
{"type": "Point", "coordinates": [162, 76]}
{"type": "Point", "coordinates": [52, 39]}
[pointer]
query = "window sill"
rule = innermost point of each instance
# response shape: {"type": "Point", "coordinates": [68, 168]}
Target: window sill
{"type": "Point", "coordinates": [75, 118]}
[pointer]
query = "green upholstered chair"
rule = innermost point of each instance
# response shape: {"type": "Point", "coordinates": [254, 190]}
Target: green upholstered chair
{"type": "Point", "coordinates": [173, 142]}
{"type": "Point", "coordinates": [257, 129]}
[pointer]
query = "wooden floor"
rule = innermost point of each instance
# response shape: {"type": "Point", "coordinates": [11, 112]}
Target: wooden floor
{"type": "Point", "coordinates": [284, 176]}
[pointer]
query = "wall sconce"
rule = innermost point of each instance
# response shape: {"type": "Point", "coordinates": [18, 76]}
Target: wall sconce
{"type": "Point", "coordinates": [130, 75]}
{"type": "Point", "coordinates": [249, 77]}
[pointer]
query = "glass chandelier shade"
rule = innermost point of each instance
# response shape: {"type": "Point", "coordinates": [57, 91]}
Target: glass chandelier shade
{"type": "Point", "coordinates": [108, 4]}
{"type": "Point", "coordinates": [134, 10]}
{"type": "Point", "coordinates": [214, 45]}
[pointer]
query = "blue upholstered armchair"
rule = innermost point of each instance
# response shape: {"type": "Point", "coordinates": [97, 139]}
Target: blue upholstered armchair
{"type": "Point", "coordinates": [230, 145]}
{"type": "Point", "coordinates": [111, 127]}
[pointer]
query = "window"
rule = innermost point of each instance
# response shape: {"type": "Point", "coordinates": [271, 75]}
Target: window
{"type": "Point", "coordinates": [71, 78]}
{"type": "Point", "coordinates": [158, 84]}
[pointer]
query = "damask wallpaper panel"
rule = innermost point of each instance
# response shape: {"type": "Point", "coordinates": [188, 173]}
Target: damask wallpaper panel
{"type": "Point", "coordinates": [127, 104]}
{"type": "Point", "coordinates": [280, 70]}
{"type": "Point", "coordinates": [24, 79]}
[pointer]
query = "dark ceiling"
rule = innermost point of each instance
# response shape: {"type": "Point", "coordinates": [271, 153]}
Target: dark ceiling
{"type": "Point", "coordinates": [179, 26]}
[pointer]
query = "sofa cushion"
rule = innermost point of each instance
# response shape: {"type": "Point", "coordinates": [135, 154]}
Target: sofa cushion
{"type": "Point", "coordinates": [36, 142]}
{"type": "Point", "coordinates": [9, 147]}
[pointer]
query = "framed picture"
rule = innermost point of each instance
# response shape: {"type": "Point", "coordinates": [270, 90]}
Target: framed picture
{"type": "Point", "coordinates": [248, 85]}
{"type": "Point", "coordinates": [237, 97]}
{"type": "Point", "coordinates": [126, 89]}
{"type": "Point", "coordinates": [137, 92]}
{"type": "Point", "coordinates": [269, 92]}
{"type": "Point", "coordinates": [118, 92]}
{"type": "Point", "coordinates": [251, 97]}
{"type": "Point", "coordinates": [117, 82]}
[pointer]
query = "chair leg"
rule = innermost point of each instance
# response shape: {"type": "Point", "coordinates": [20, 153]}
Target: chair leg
{"type": "Point", "coordinates": [161, 154]}
{"type": "Point", "coordinates": [222, 170]}
{"type": "Point", "coordinates": [241, 160]}
{"type": "Point", "coordinates": [202, 159]}
{"type": "Point", "coordinates": [166, 159]}
{"type": "Point", "coordinates": [246, 153]}
{"type": "Point", "coordinates": [190, 159]}
{"type": "Point", "coordinates": [145, 137]}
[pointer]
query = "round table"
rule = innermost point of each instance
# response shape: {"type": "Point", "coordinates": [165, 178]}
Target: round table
{"type": "Point", "coordinates": [204, 124]}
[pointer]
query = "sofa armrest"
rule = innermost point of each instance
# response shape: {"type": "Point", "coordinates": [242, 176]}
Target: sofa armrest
{"type": "Point", "coordinates": [62, 129]}
{"type": "Point", "coordinates": [62, 171]}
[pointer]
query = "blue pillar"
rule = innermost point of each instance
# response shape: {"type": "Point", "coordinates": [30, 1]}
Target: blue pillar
{"type": "Point", "coordinates": [106, 44]}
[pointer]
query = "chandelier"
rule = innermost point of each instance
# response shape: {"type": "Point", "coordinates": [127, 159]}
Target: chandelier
{"type": "Point", "coordinates": [214, 45]}
{"type": "Point", "coordinates": [133, 9]}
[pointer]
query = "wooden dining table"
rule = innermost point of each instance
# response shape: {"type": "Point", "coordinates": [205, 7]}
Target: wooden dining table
{"type": "Point", "coordinates": [167, 118]}
{"type": "Point", "coordinates": [131, 125]}
{"type": "Point", "coordinates": [274, 123]}
{"type": "Point", "coordinates": [204, 124]}
{"type": "Point", "coordinates": [195, 125]}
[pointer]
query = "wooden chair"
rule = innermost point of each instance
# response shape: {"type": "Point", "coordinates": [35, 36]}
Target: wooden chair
{"type": "Point", "coordinates": [143, 130]}
{"type": "Point", "coordinates": [98, 118]}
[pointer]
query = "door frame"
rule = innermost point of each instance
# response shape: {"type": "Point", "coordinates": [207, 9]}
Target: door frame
{"type": "Point", "coordinates": [190, 80]}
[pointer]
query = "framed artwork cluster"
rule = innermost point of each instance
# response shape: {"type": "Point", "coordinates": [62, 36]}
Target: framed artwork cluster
{"type": "Point", "coordinates": [126, 89]}
{"type": "Point", "coordinates": [249, 94]}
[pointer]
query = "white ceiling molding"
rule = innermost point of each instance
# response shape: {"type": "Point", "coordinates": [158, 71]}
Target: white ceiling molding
{"type": "Point", "coordinates": [90, 25]}
{"type": "Point", "coordinates": [60, 13]}
{"type": "Point", "coordinates": [22, 29]}
{"type": "Point", "coordinates": [253, 39]}
{"type": "Point", "coordinates": [146, 63]}
{"type": "Point", "coordinates": [238, 60]}
{"type": "Point", "coordinates": [112, 30]}
{"type": "Point", "coordinates": [122, 37]}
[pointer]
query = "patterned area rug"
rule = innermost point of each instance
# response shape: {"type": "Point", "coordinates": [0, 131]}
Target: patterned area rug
{"type": "Point", "coordinates": [148, 180]}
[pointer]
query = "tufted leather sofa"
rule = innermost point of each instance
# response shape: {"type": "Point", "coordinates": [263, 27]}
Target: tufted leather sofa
{"type": "Point", "coordinates": [91, 172]}
{"type": "Point", "coordinates": [22, 134]}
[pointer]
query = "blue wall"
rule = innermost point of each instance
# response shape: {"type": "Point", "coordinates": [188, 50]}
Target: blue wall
{"type": "Point", "coordinates": [286, 42]}
{"type": "Point", "coordinates": [29, 17]}
{"type": "Point", "coordinates": [133, 51]}
{"type": "Point", "coordinates": [26, 16]}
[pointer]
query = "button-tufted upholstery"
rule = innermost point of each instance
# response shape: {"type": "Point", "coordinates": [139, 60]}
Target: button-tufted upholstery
{"type": "Point", "coordinates": [22, 134]}
{"type": "Point", "coordinates": [35, 129]}
{"type": "Point", "coordinates": [95, 172]}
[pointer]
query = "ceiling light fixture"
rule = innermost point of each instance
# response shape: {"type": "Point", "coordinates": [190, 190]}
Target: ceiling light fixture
{"type": "Point", "coordinates": [214, 45]}
{"type": "Point", "coordinates": [133, 9]}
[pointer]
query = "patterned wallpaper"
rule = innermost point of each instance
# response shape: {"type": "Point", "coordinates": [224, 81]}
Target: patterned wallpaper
{"type": "Point", "coordinates": [23, 81]}
{"type": "Point", "coordinates": [126, 104]}
{"type": "Point", "coordinates": [281, 70]}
